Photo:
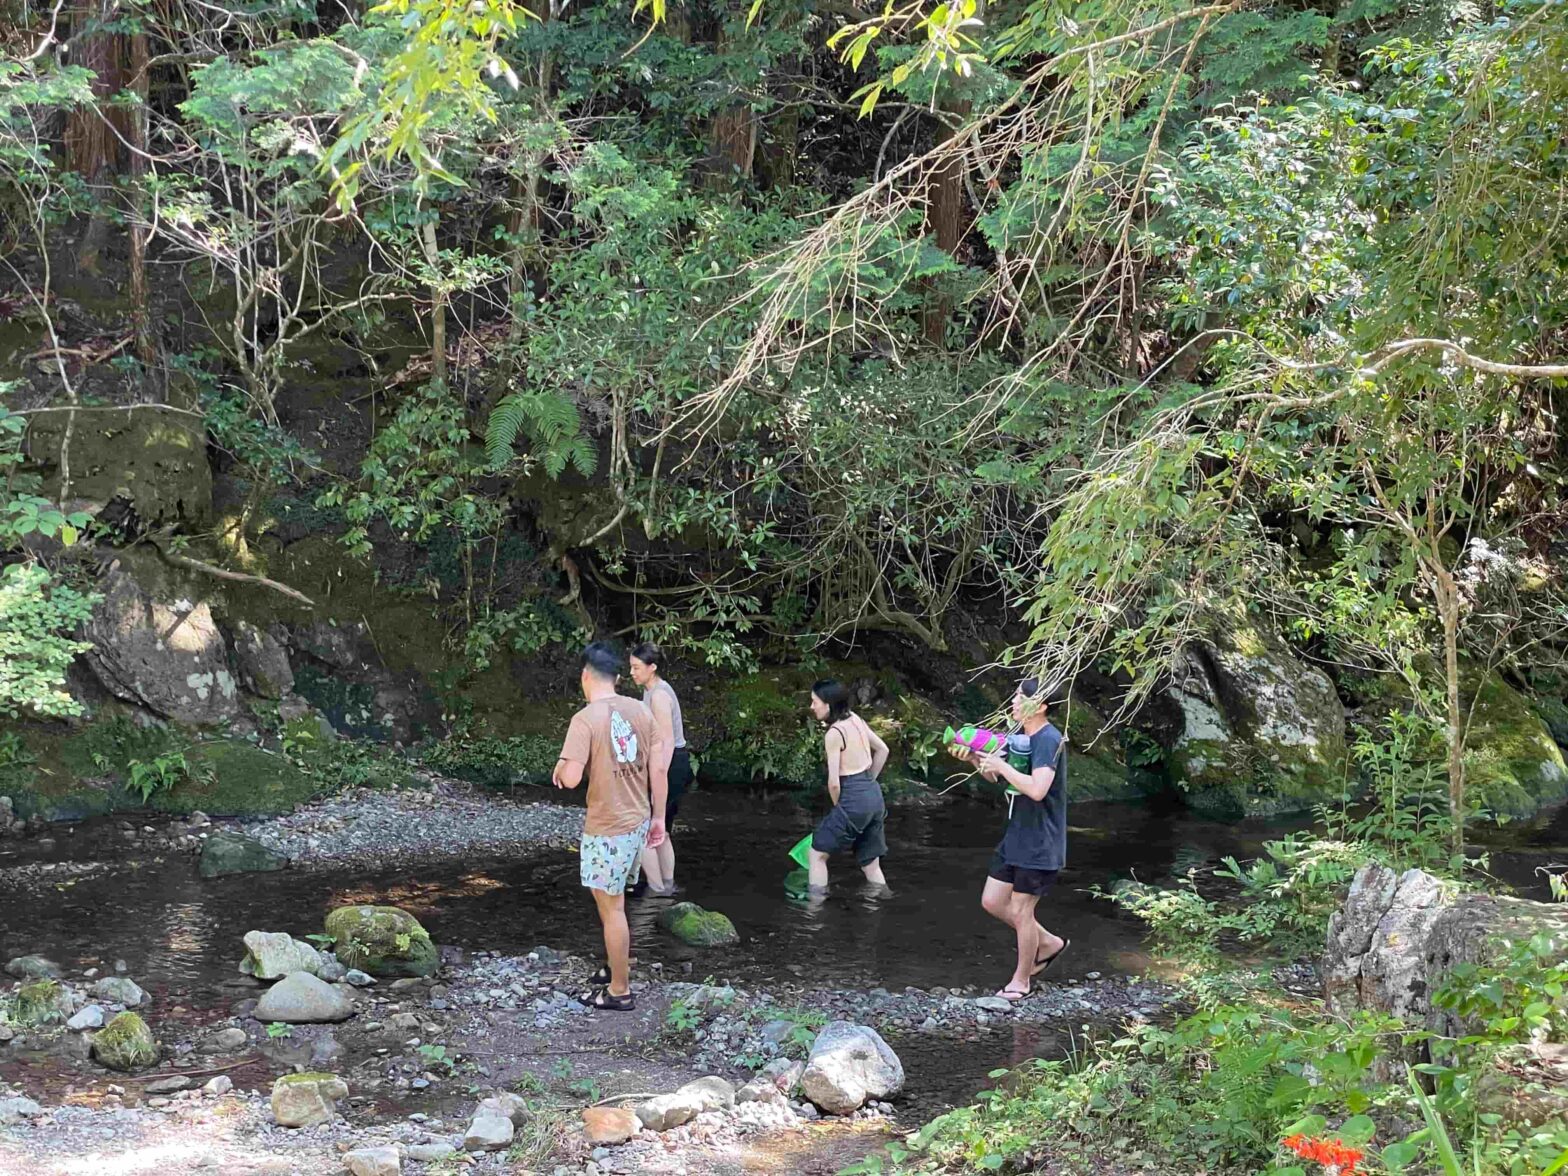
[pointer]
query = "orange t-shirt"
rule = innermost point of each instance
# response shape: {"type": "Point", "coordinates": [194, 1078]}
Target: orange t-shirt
{"type": "Point", "coordinates": [613, 738]}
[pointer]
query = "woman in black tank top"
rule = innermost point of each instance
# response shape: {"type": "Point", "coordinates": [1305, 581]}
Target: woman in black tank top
{"type": "Point", "coordinates": [856, 757]}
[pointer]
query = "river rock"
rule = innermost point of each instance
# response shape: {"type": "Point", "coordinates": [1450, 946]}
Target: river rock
{"type": "Point", "coordinates": [331, 969]}
{"type": "Point", "coordinates": [709, 1094]}
{"type": "Point", "coordinates": [374, 1161]}
{"type": "Point", "coordinates": [430, 1153]}
{"type": "Point", "coordinates": [689, 923]}
{"type": "Point", "coordinates": [233, 853]}
{"type": "Point", "coordinates": [305, 1100]}
{"type": "Point", "coordinates": [605, 1126]}
{"type": "Point", "coordinates": [994, 1004]}
{"type": "Point", "coordinates": [271, 955]}
{"type": "Point", "coordinates": [1396, 938]}
{"type": "Point", "coordinates": [850, 1064]}
{"type": "Point", "coordinates": [760, 1089]}
{"type": "Point", "coordinates": [489, 1133]}
{"type": "Point", "coordinates": [218, 1087]}
{"type": "Point", "coordinates": [43, 1002]}
{"type": "Point", "coordinates": [784, 1073]}
{"type": "Point", "coordinates": [224, 1041]}
{"type": "Point", "coordinates": [382, 941]}
{"type": "Point", "coordinates": [1261, 731]}
{"type": "Point", "coordinates": [89, 1018]}
{"type": "Point", "coordinates": [120, 990]}
{"type": "Point", "coordinates": [302, 999]}
{"type": "Point", "coordinates": [18, 1110]}
{"type": "Point", "coordinates": [33, 967]}
{"type": "Point", "coordinates": [359, 979]}
{"type": "Point", "coordinates": [125, 1043]}
{"type": "Point", "coordinates": [262, 660]}
{"type": "Point", "coordinates": [170, 1085]}
{"type": "Point", "coordinates": [169, 656]}
{"type": "Point", "coordinates": [505, 1104]}
{"type": "Point", "coordinates": [665, 1111]}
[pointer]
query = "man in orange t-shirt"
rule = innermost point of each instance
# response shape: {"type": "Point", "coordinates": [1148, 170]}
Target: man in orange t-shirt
{"type": "Point", "coordinates": [615, 741]}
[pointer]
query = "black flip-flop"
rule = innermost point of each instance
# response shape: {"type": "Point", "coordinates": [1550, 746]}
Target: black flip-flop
{"type": "Point", "coordinates": [603, 998]}
{"type": "Point", "coordinates": [1043, 966]}
{"type": "Point", "coordinates": [1012, 996]}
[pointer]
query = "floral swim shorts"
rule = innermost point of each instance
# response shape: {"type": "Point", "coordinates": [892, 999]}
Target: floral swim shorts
{"type": "Point", "coordinates": [609, 863]}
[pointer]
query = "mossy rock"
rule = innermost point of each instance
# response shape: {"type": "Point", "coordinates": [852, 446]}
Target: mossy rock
{"type": "Point", "coordinates": [126, 1044]}
{"type": "Point", "coordinates": [44, 1002]}
{"type": "Point", "coordinates": [1554, 713]}
{"type": "Point", "coordinates": [238, 780]}
{"type": "Point", "coordinates": [689, 923]}
{"type": "Point", "coordinates": [383, 941]}
{"type": "Point", "coordinates": [1512, 764]}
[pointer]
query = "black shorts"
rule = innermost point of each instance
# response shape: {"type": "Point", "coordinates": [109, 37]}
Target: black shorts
{"type": "Point", "coordinates": [862, 831]}
{"type": "Point", "coordinates": [1022, 879]}
{"type": "Point", "coordinates": [680, 777]}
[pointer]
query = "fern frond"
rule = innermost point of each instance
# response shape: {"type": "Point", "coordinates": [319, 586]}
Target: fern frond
{"type": "Point", "coordinates": [506, 421]}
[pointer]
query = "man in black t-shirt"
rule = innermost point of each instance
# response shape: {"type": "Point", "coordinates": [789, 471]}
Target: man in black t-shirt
{"type": "Point", "coordinates": [1034, 848]}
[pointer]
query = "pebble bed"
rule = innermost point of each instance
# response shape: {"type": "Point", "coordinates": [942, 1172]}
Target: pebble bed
{"type": "Point", "coordinates": [374, 827]}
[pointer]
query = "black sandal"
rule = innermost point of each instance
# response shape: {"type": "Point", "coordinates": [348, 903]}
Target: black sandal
{"type": "Point", "coordinates": [601, 978]}
{"type": "Point", "coordinates": [603, 998]}
{"type": "Point", "coordinates": [1043, 966]}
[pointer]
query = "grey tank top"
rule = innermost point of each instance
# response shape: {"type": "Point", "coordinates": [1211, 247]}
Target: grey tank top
{"type": "Point", "coordinates": [676, 725]}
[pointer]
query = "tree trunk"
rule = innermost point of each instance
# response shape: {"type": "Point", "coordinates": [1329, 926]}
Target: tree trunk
{"type": "Point", "coordinates": [1447, 595]}
{"type": "Point", "coordinates": [733, 137]}
{"type": "Point", "coordinates": [92, 145]}
{"type": "Point", "coordinates": [427, 236]}
{"type": "Point", "coordinates": [141, 310]}
{"type": "Point", "coordinates": [944, 222]}
{"type": "Point", "coordinates": [526, 222]}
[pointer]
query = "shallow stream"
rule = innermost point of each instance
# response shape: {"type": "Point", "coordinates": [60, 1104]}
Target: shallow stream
{"type": "Point", "coordinates": [180, 935]}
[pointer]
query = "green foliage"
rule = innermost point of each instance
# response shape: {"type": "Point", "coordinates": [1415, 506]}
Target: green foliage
{"type": "Point", "coordinates": [551, 421]}
{"type": "Point", "coordinates": [528, 627]}
{"type": "Point", "coordinates": [342, 763]}
{"type": "Point", "coordinates": [145, 779]}
{"type": "Point", "coordinates": [279, 1029]}
{"type": "Point", "coordinates": [682, 1017]}
{"type": "Point", "coordinates": [520, 759]}
{"type": "Point", "coordinates": [38, 617]}
{"type": "Point", "coordinates": [420, 475]}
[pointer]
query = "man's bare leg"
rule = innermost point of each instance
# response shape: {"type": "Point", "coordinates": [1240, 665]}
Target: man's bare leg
{"type": "Point", "coordinates": [617, 940]}
{"type": "Point", "coordinates": [1028, 940]}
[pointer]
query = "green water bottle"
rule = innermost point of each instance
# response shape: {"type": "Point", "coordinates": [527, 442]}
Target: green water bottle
{"type": "Point", "coordinates": [1018, 759]}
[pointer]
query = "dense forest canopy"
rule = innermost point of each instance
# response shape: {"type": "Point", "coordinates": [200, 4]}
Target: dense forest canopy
{"type": "Point", "coordinates": [1121, 315]}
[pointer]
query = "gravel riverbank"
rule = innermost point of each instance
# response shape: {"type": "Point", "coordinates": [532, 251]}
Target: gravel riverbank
{"type": "Point", "coordinates": [449, 820]}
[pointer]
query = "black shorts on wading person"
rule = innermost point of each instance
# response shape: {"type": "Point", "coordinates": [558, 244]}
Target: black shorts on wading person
{"type": "Point", "coordinates": [680, 777]}
{"type": "Point", "coordinates": [856, 821]}
{"type": "Point", "coordinates": [1034, 848]}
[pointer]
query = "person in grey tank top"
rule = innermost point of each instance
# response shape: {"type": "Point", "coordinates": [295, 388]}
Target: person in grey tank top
{"type": "Point", "coordinates": [658, 864]}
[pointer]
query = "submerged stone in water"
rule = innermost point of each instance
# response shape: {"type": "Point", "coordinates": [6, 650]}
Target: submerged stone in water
{"type": "Point", "coordinates": [125, 1044]}
{"type": "Point", "coordinates": [231, 853]}
{"type": "Point", "coordinates": [33, 967]}
{"type": "Point", "coordinates": [119, 990]}
{"type": "Point", "coordinates": [689, 923]}
{"type": "Point", "coordinates": [271, 955]}
{"type": "Point", "coordinates": [382, 941]}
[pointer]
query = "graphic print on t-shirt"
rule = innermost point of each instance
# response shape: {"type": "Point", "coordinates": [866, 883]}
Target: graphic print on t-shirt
{"type": "Point", "coordinates": [623, 738]}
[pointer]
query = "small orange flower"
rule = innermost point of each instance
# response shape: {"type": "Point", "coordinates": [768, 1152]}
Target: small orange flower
{"type": "Point", "coordinates": [1337, 1159]}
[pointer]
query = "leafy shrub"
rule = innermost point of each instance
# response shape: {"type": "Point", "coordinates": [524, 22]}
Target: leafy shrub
{"type": "Point", "coordinates": [38, 616]}
{"type": "Point", "coordinates": [520, 759]}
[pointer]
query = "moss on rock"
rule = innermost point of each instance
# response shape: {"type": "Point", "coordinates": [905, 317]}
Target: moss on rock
{"type": "Point", "coordinates": [44, 1002]}
{"type": "Point", "coordinates": [236, 779]}
{"type": "Point", "coordinates": [689, 923]}
{"type": "Point", "coordinates": [383, 941]}
{"type": "Point", "coordinates": [126, 1044]}
{"type": "Point", "coordinates": [1513, 765]}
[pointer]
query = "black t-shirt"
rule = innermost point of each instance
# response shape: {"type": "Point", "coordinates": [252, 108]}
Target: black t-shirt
{"type": "Point", "coordinates": [1036, 837]}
